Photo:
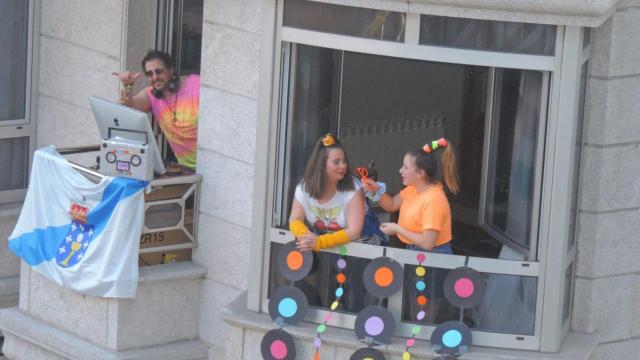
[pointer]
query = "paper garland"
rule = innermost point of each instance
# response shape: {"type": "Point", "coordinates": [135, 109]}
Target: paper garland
{"type": "Point", "coordinates": [421, 299]}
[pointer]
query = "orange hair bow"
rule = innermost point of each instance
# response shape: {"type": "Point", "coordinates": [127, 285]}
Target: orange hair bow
{"type": "Point", "coordinates": [328, 140]}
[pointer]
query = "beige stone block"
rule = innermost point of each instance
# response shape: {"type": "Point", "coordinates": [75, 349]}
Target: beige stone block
{"type": "Point", "coordinates": [624, 349]}
{"type": "Point", "coordinates": [93, 24]}
{"type": "Point", "coordinates": [9, 263]}
{"type": "Point", "coordinates": [608, 243]}
{"type": "Point", "coordinates": [613, 112]}
{"type": "Point", "coordinates": [251, 348]}
{"type": "Point", "coordinates": [227, 124]}
{"type": "Point", "coordinates": [610, 178]}
{"type": "Point", "coordinates": [616, 44]}
{"type": "Point", "coordinates": [230, 59]}
{"type": "Point", "coordinates": [63, 124]}
{"type": "Point", "coordinates": [234, 343]}
{"type": "Point", "coordinates": [214, 296]}
{"type": "Point", "coordinates": [224, 249]}
{"type": "Point", "coordinates": [72, 73]}
{"type": "Point", "coordinates": [635, 329]}
{"type": "Point", "coordinates": [227, 188]}
{"type": "Point", "coordinates": [82, 315]}
{"type": "Point", "coordinates": [241, 14]}
{"type": "Point", "coordinates": [604, 305]}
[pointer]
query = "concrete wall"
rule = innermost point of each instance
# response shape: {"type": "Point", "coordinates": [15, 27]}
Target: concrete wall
{"type": "Point", "coordinates": [607, 290]}
{"type": "Point", "coordinates": [226, 147]}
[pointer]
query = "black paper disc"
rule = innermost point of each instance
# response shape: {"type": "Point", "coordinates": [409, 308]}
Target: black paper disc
{"type": "Point", "coordinates": [464, 287]}
{"type": "Point", "coordinates": [294, 265]}
{"type": "Point", "coordinates": [382, 277]}
{"type": "Point", "coordinates": [375, 324]}
{"type": "Point", "coordinates": [367, 353]}
{"type": "Point", "coordinates": [288, 303]}
{"type": "Point", "coordinates": [451, 338]}
{"type": "Point", "coordinates": [277, 344]}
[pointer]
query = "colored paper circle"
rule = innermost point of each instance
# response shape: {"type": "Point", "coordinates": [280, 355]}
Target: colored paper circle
{"type": "Point", "coordinates": [420, 257]}
{"type": "Point", "coordinates": [464, 287]}
{"type": "Point", "coordinates": [334, 305]}
{"type": "Point", "coordinates": [293, 264]}
{"type": "Point", "coordinates": [321, 328]}
{"type": "Point", "coordinates": [406, 356]}
{"type": "Point", "coordinates": [339, 292]}
{"type": "Point", "coordinates": [421, 300]}
{"type": "Point", "coordinates": [420, 285]}
{"type": "Point", "coordinates": [374, 326]}
{"type": "Point", "coordinates": [367, 354]}
{"type": "Point", "coordinates": [288, 303]}
{"type": "Point", "coordinates": [343, 250]}
{"type": "Point", "coordinates": [420, 271]}
{"type": "Point", "coordinates": [375, 323]}
{"type": "Point", "coordinates": [287, 307]}
{"type": "Point", "coordinates": [421, 315]}
{"type": "Point", "coordinates": [278, 349]}
{"type": "Point", "coordinates": [411, 342]}
{"type": "Point", "coordinates": [382, 277]}
{"type": "Point", "coordinates": [341, 263]}
{"type": "Point", "coordinates": [415, 330]}
{"type": "Point", "coordinates": [317, 342]}
{"type": "Point", "coordinates": [294, 260]}
{"type": "Point", "coordinates": [451, 338]}
{"type": "Point", "coordinates": [277, 344]}
{"type": "Point", "coordinates": [340, 278]}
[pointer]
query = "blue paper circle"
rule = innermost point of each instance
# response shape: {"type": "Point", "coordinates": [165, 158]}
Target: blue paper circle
{"type": "Point", "coordinates": [420, 285]}
{"type": "Point", "coordinates": [451, 338]}
{"type": "Point", "coordinates": [339, 292]}
{"type": "Point", "coordinates": [287, 307]}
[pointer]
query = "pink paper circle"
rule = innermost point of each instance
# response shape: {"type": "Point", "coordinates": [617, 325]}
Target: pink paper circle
{"type": "Point", "coordinates": [420, 257]}
{"type": "Point", "coordinates": [463, 287]}
{"type": "Point", "coordinates": [279, 349]}
{"type": "Point", "coordinates": [411, 342]}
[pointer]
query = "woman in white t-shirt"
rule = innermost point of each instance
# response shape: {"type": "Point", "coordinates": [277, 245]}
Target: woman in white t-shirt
{"type": "Point", "coordinates": [328, 198]}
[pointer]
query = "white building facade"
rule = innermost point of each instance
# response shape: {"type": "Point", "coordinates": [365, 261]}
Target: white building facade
{"type": "Point", "coordinates": [547, 89]}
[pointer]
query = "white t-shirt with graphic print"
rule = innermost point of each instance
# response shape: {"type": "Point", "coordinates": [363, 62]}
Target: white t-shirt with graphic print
{"type": "Point", "coordinates": [329, 216]}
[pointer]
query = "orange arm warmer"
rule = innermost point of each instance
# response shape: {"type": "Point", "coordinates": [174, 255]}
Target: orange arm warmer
{"type": "Point", "coordinates": [331, 240]}
{"type": "Point", "coordinates": [298, 228]}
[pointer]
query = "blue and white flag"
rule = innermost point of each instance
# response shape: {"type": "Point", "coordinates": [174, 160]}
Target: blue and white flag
{"type": "Point", "coordinates": [82, 235]}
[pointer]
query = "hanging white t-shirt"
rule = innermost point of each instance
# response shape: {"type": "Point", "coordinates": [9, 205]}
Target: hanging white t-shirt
{"type": "Point", "coordinates": [329, 216]}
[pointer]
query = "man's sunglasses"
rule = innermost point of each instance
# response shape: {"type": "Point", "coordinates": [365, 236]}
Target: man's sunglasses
{"type": "Point", "coordinates": [158, 71]}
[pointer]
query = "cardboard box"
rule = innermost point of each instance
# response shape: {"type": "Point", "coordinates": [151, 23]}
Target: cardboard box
{"type": "Point", "coordinates": [163, 238]}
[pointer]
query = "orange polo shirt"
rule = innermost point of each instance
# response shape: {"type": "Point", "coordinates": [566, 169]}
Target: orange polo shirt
{"type": "Point", "coordinates": [428, 210]}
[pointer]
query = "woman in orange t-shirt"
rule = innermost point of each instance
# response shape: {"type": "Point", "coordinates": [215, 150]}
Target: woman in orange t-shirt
{"type": "Point", "coordinates": [425, 215]}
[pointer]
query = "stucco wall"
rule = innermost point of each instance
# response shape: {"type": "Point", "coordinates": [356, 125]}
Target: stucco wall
{"type": "Point", "coordinates": [226, 152]}
{"type": "Point", "coordinates": [607, 290]}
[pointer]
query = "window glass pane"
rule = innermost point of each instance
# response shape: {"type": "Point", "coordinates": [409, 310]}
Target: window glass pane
{"type": "Point", "coordinates": [488, 35]}
{"type": "Point", "coordinates": [511, 175]}
{"type": "Point", "coordinates": [13, 72]}
{"type": "Point", "coordinates": [187, 36]}
{"type": "Point", "coordinates": [508, 306]}
{"type": "Point", "coordinates": [320, 285]}
{"type": "Point", "coordinates": [346, 20]}
{"type": "Point", "coordinates": [575, 174]}
{"type": "Point", "coordinates": [14, 162]}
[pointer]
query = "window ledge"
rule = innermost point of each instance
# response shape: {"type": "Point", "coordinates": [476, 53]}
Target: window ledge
{"type": "Point", "coordinates": [576, 346]}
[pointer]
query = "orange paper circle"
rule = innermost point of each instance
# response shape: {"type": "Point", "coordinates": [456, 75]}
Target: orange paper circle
{"type": "Point", "coordinates": [383, 276]}
{"type": "Point", "coordinates": [294, 260]}
{"type": "Point", "coordinates": [341, 278]}
{"type": "Point", "coordinates": [422, 300]}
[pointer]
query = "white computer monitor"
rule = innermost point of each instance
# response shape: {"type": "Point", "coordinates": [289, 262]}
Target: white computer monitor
{"type": "Point", "coordinates": [127, 123]}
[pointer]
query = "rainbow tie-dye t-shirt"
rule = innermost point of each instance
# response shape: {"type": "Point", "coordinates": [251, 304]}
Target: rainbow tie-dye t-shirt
{"type": "Point", "coordinates": [181, 130]}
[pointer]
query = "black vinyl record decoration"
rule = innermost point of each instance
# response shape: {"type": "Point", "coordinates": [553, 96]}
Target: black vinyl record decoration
{"type": "Point", "coordinates": [288, 303]}
{"type": "Point", "coordinates": [375, 324]}
{"type": "Point", "coordinates": [277, 344]}
{"type": "Point", "coordinates": [294, 264]}
{"type": "Point", "coordinates": [451, 338]}
{"type": "Point", "coordinates": [367, 354]}
{"type": "Point", "coordinates": [382, 277]}
{"type": "Point", "coordinates": [464, 287]}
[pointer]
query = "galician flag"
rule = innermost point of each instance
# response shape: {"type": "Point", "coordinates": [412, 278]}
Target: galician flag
{"type": "Point", "coordinates": [82, 235]}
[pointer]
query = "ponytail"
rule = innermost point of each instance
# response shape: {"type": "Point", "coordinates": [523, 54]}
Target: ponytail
{"type": "Point", "coordinates": [438, 160]}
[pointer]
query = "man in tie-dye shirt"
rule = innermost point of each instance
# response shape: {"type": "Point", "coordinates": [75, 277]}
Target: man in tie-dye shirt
{"type": "Point", "coordinates": [174, 103]}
